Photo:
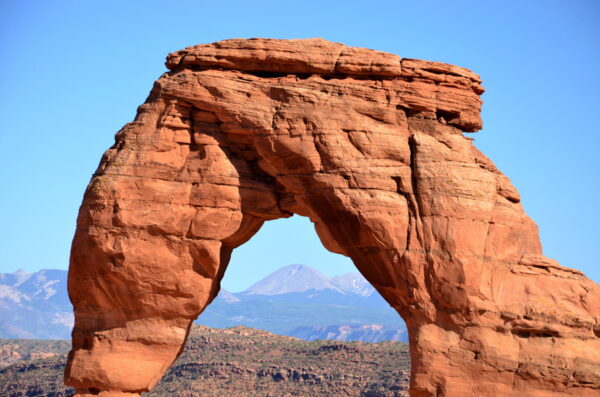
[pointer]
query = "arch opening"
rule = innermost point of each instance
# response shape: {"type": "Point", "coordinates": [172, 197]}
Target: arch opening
{"type": "Point", "coordinates": [324, 289]}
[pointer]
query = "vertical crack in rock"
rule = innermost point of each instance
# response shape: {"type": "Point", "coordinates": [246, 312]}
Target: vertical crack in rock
{"type": "Point", "coordinates": [370, 147]}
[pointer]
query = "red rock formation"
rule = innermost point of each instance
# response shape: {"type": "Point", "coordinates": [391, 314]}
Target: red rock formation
{"type": "Point", "coordinates": [370, 147]}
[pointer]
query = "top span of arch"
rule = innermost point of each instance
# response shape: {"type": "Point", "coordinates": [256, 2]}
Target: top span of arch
{"type": "Point", "coordinates": [274, 58]}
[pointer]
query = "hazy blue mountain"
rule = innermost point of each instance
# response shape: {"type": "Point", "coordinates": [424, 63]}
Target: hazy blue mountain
{"type": "Point", "coordinates": [372, 333]}
{"type": "Point", "coordinates": [227, 296]}
{"type": "Point", "coordinates": [35, 305]}
{"type": "Point", "coordinates": [296, 300]}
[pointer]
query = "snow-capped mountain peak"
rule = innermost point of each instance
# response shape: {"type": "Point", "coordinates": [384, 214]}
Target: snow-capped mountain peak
{"type": "Point", "coordinates": [290, 279]}
{"type": "Point", "coordinates": [227, 296]}
{"type": "Point", "coordinates": [35, 304]}
{"type": "Point", "coordinates": [20, 276]}
{"type": "Point", "coordinates": [301, 278]}
{"type": "Point", "coordinates": [353, 283]}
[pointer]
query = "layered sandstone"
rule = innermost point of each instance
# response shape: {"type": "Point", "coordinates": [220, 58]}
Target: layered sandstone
{"type": "Point", "coordinates": [370, 147]}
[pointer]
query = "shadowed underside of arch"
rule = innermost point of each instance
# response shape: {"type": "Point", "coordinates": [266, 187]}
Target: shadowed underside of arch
{"type": "Point", "coordinates": [370, 147]}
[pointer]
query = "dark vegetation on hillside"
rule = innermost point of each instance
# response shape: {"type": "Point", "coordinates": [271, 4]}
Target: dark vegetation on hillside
{"type": "Point", "coordinates": [233, 362]}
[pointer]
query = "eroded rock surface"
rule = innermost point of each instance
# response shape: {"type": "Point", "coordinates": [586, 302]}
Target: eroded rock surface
{"type": "Point", "coordinates": [370, 147]}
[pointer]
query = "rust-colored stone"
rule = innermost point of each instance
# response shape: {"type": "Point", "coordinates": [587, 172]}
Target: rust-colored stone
{"type": "Point", "coordinates": [370, 147]}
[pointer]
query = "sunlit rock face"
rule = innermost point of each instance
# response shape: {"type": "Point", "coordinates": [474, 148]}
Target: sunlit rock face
{"type": "Point", "coordinates": [370, 147]}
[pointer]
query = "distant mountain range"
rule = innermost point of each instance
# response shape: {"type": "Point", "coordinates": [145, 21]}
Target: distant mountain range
{"type": "Point", "coordinates": [296, 300]}
{"type": "Point", "coordinates": [372, 333]}
{"type": "Point", "coordinates": [302, 278]}
{"type": "Point", "coordinates": [35, 305]}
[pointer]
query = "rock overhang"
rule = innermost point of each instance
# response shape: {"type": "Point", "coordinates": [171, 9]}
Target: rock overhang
{"type": "Point", "coordinates": [452, 90]}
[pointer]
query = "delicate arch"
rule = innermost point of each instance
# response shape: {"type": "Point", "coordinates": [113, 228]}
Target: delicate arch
{"type": "Point", "coordinates": [370, 147]}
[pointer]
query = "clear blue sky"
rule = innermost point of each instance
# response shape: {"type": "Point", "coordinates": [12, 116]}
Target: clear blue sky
{"type": "Point", "coordinates": [73, 72]}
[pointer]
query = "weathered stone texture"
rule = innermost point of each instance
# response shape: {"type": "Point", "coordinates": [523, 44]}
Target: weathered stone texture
{"type": "Point", "coordinates": [371, 148]}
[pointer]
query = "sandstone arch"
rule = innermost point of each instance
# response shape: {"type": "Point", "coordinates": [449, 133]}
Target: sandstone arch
{"type": "Point", "coordinates": [370, 147]}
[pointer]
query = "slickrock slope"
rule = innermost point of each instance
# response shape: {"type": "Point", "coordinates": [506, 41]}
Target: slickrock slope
{"type": "Point", "coordinates": [370, 147]}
